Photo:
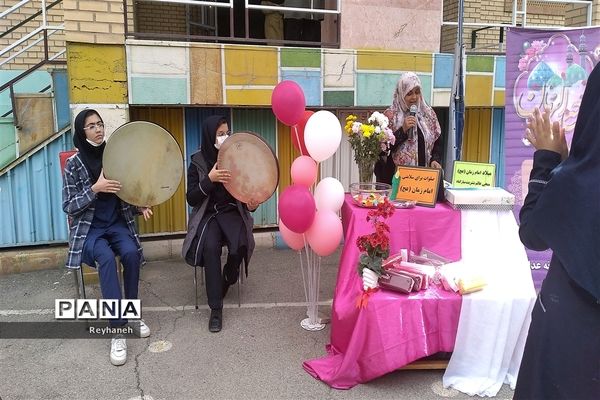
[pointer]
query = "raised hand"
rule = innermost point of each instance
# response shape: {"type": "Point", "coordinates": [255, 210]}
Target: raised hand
{"type": "Point", "coordinates": [544, 135]}
{"type": "Point", "coordinates": [105, 185]}
{"type": "Point", "coordinates": [219, 175]}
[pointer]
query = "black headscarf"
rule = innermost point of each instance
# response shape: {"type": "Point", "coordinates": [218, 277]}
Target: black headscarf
{"type": "Point", "coordinates": [90, 155]}
{"type": "Point", "coordinates": [570, 203]}
{"type": "Point", "coordinates": [209, 137]}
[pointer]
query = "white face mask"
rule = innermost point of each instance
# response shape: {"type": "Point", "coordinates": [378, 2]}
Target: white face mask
{"type": "Point", "coordinates": [220, 140]}
{"type": "Point", "coordinates": [94, 143]}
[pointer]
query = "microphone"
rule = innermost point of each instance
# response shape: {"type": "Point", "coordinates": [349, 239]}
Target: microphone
{"type": "Point", "coordinates": [412, 113]}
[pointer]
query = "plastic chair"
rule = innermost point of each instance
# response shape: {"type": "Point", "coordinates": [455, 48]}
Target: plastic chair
{"type": "Point", "coordinates": [239, 280]}
{"type": "Point", "coordinates": [79, 274]}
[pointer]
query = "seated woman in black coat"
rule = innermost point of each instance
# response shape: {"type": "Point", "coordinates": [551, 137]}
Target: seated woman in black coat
{"type": "Point", "coordinates": [217, 219]}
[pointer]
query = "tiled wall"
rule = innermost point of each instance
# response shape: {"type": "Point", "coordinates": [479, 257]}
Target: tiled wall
{"type": "Point", "coordinates": [245, 75]}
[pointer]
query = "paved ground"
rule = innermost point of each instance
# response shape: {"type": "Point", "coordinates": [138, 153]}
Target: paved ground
{"type": "Point", "coordinates": [258, 355]}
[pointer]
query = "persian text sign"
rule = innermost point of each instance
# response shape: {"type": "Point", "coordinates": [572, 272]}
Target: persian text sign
{"type": "Point", "coordinates": [470, 174]}
{"type": "Point", "coordinates": [419, 184]}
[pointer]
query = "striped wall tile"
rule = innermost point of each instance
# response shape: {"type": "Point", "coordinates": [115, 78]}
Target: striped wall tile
{"type": "Point", "coordinates": [478, 90]}
{"type": "Point", "coordinates": [480, 64]}
{"type": "Point", "coordinates": [206, 86]}
{"type": "Point", "coordinates": [500, 72]}
{"type": "Point", "coordinates": [499, 98]}
{"type": "Point", "coordinates": [159, 90]}
{"type": "Point", "coordinates": [309, 81]}
{"type": "Point", "coordinates": [293, 57]}
{"type": "Point", "coordinates": [250, 65]}
{"type": "Point", "coordinates": [158, 60]}
{"type": "Point", "coordinates": [441, 98]}
{"type": "Point", "coordinates": [339, 98]}
{"type": "Point", "coordinates": [443, 70]}
{"type": "Point", "coordinates": [393, 61]}
{"type": "Point", "coordinates": [338, 68]}
{"type": "Point", "coordinates": [249, 97]}
{"type": "Point", "coordinates": [97, 73]}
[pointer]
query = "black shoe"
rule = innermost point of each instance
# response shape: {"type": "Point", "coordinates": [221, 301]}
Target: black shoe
{"type": "Point", "coordinates": [215, 323]}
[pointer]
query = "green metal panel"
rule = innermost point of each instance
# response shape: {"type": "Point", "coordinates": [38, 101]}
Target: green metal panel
{"type": "Point", "coordinates": [263, 123]}
{"type": "Point", "coordinates": [8, 142]}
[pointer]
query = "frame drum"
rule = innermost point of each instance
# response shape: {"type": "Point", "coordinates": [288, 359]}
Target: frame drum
{"type": "Point", "coordinates": [253, 166]}
{"type": "Point", "coordinates": [147, 161]}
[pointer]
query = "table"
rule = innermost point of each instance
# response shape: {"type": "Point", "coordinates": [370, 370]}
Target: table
{"type": "Point", "coordinates": [486, 330]}
{"type": "Point", "coordinates": [394, 329]}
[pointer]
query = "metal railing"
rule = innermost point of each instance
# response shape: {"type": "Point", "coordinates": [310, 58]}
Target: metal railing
{"type": "Point", "coordinates": [45, 30]}
{"type": "Point", "coordinates": [518, 18]}
{"type": "Point", "coordinates": [233, 18]}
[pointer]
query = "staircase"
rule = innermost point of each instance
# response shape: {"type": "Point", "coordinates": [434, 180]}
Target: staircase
{"type": "Point", "coordinates": [34, 123]}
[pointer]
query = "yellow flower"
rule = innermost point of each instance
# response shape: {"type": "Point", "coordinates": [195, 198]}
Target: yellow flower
{"type": "Point", "coordinates": [351, 117]}
{"type": "Point", "coordinates": [367, 130]}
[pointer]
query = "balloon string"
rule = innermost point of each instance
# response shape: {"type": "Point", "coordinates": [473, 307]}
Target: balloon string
{"type": "Point", "coordinates": [298, 139]}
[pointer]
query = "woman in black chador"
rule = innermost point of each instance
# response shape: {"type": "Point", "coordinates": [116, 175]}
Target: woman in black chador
{"type": "Point", "coordinates": [217, 219]}
{"type": "Point", "coordinates": [562, 213]}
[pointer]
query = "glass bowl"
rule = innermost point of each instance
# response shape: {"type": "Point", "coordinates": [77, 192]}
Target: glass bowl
{"type": "Point", "coordinates": [369, 195]}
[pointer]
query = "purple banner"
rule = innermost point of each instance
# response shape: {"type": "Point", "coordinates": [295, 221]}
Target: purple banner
{"type": "Point", "coordinates": [543, 68]}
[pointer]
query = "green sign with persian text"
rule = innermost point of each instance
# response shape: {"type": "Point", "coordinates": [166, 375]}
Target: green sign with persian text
{"type": "Point", "coordinates": [470, 174]}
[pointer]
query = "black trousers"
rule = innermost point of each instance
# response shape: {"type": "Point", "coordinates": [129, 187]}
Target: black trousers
{"type": "Point", "coordinates": [211, 254]}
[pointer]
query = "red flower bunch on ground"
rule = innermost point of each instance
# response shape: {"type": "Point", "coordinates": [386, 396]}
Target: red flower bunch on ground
{"type": "Point", "coordinates": [375, 247]}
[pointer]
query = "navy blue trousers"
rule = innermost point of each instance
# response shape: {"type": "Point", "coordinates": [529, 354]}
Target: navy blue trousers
{"type": "Point", "coordinates": [115, 241]}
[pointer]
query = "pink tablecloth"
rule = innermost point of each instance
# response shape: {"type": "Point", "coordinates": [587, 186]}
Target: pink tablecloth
{"type": "Point", "coordinates": [394, 329]}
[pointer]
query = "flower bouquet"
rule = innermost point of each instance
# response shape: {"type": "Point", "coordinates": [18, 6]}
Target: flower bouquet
{"type": "Point", "coordinates": [368, 140]}
{"type": "Point", "coordinates": [375, 248]}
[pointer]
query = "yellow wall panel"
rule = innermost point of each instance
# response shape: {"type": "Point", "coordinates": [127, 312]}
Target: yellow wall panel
{"type": "Point", "coordinates": [249, 97]}
{"type": "Point", "coordinates": [499, 98]}
{"type": "Point", "coordinates": [97, 73]}
{"type": "Point", "coordinates": [477, 135]}
{"type": "Point", "coordinates": [169, 216]}
{"type": "Point", "coordinates": [478, 90]}
{"type": "Point", "coordinates": [247, 65]}
{"type": "Point", "coordinates": [378, 60]}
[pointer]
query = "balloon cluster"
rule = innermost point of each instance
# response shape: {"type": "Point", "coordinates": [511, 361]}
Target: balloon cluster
{"type": "Point", "coordinates": [305, 218]}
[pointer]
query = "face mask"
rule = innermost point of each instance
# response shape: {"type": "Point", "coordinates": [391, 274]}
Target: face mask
{"type": "Point", "coordinates": [220, 140]}
{"type": "Point", "coordinates": [94, 143]}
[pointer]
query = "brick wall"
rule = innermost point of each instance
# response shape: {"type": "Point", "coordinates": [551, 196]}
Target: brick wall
{"type": "Point", "coordinates": [94, 21]}
{"type": "Point", "coordinates": [56, 41]}
{"type": "Point", "coordinates": [498, 11]}
{"type": "Point", "coordinates": [160, 18]}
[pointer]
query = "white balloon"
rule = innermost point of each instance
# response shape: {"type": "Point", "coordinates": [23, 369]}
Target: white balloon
{"type": "Point", "coordinates": [329, 194]}
{"type": "Point", "coordinates": [322, 135]}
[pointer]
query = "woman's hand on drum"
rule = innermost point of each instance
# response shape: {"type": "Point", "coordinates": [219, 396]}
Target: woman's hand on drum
{"type": "Point", "coordinates": [105, 185]}
{"type": "Point", "coordinates": [252, 205]}
{"type": "Point", "coordinates": [146, 212]}
{"type": "Point", "coordinates": [219, 175]}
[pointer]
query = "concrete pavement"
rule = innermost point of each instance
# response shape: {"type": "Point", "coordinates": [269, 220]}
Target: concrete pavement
{"type": "Point", "coordinates": [258, 355]}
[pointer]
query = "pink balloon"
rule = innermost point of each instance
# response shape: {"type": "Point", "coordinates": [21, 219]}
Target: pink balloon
{"type": "Point", "coordinates": [288, 103]}
{"type": "Point", "coordinates": [304, 171]}
{"type": "Point", "coordinates": [325, 234]}
{"type": "Point", "coordinates": [297, 208]}
{"type": "Point", "coordinates": [294, 240]}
